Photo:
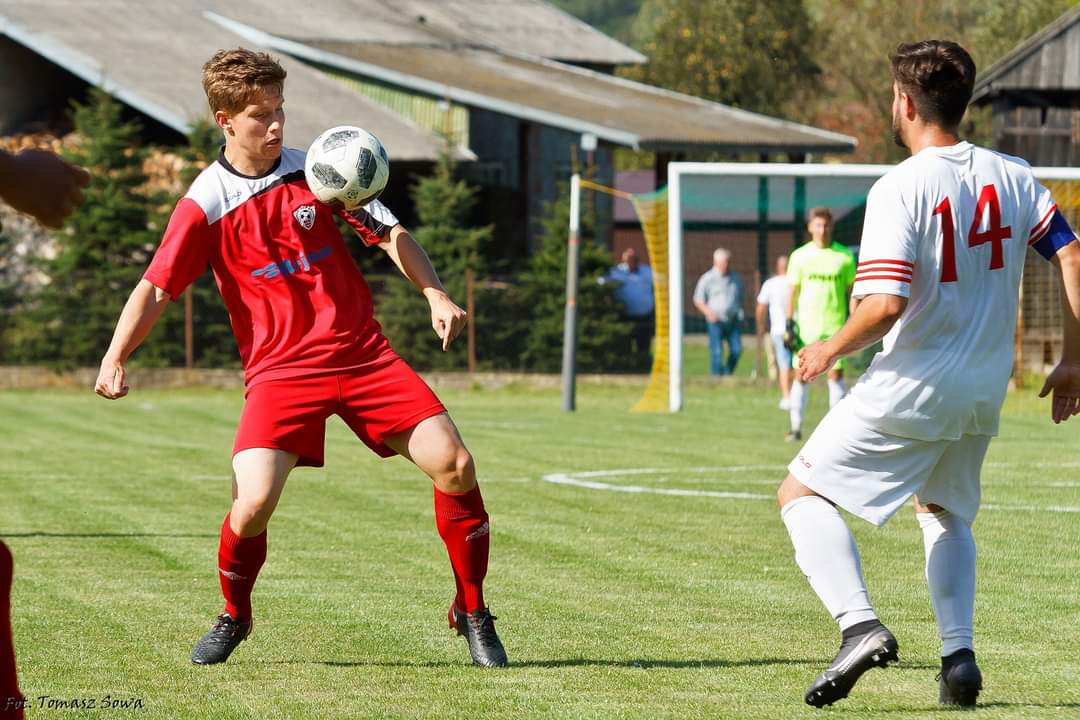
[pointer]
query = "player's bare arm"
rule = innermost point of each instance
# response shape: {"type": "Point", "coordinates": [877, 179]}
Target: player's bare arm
{"type": "Point", "coordinates": [1064, 381]}
{"type": "Point", "coordinates": [42, 184]}
{"type": "Point", "coordinates": [447, 318]}
{"type": "Point", "coordinates": [760, 319]}
{"type": "Point", "coordinates": [874, 317]}
{"type": "Point", "coordinates": [141, 311]}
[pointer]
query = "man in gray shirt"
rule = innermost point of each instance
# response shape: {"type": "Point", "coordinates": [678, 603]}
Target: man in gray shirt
{"type": "Point", "coordinates": [719, 297]}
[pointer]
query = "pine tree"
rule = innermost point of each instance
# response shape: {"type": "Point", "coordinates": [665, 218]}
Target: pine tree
{"type": "Point", "coordinates": [444, 206]}
{"type": "Point", "coordinates": [105, 248]}
{"type": "Point", "coordinates": [603, 340]}
{"type": "Point", "coordinates": [214, 345]}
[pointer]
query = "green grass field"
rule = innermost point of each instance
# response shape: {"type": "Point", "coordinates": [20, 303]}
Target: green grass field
{"type": "Point", "coordinates": [611, 604]}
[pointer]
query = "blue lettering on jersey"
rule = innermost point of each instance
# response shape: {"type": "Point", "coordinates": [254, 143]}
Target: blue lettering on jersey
{"type": "Point", "coordinates": [289, 266]}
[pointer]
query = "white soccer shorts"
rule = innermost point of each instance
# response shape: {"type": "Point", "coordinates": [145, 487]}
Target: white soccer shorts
{"type": "Point", "coordinates": [871, 474]}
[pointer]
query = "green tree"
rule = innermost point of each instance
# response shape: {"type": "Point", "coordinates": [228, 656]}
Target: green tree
{"type": "Point", "coordinates": [603, 342]}
{"type": "Point", "coordinates": [746, 53]}
{"type": "Point", "coordinates": [104, 249]}
{"type": "Point", "coordinates": [213, 342]}
{"type": "Point", "coordinates": [444, 206]}
{"type": "Point", "coordinates": [857, 37]}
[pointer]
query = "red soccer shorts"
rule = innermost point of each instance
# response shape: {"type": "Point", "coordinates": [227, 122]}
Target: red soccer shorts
{"type": "Point", "coordinates": [290, 414]}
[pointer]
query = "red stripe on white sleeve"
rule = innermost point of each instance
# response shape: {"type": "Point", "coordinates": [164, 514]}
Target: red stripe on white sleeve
{"type": "Point", "coordinates": [1045, 222]}
{"type": "Point", "coordinates": [896, 263]}
{"type": "Point", "coordinates": [882, 267]}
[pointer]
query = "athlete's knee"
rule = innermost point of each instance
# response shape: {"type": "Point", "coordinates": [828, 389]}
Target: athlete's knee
{"type": "Point", "coordinates": [250, 517]}
{"type": "Point", "coordinates": [457, 472]}
{"type": "Point", "coordinates": [791, 489]}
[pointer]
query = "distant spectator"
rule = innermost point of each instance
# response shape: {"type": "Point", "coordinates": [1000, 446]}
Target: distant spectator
{"type": "Point", "coordinates": [772, 307]}
{"type": "Point", "coordinates": [635, 292]}
{"type": "Point", "coordinates": [719, 297]}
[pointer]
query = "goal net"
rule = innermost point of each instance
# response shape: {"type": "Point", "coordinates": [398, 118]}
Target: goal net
{"type": "Point", "coordinates": [758, 211]}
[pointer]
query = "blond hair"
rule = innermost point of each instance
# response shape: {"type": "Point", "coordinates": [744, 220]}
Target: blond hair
{"type": "Point", "coordinates": [231, 77]}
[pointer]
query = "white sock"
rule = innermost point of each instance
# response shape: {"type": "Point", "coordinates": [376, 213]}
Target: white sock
{"type": "Point", "coordinates": [950, 574]}
{"type": "Point", "coordinates": [836, 391]}
{"type": "Point", "coordinates": [797, 405]}
{"type": "Point", "coordinates": [826, 553]}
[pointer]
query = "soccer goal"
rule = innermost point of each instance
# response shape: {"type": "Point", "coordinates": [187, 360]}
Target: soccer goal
{"type": "Point", "coordinates": [758, 211]}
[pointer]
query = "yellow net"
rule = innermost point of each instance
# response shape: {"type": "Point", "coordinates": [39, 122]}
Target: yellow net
{"type": "Point", "coordinates": [651, 210]}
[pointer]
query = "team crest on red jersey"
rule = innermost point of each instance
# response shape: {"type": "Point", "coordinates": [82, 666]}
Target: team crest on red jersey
{"type": "Point", "coordinates": [305, 215]}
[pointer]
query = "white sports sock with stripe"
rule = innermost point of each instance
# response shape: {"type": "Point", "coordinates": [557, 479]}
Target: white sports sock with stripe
{"type": "Point", "coordinates": [950, 574]}
{"type": "Point", "coordinates": [825, 551]}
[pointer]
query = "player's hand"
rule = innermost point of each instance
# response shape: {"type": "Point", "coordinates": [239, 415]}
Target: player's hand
{"type": "Point", "coordinates": [446, 317]}
{"type": "Point", "coordinates": [1064, 382]}
{"type": "Point", "coordinates": [111, 380]}
{"type": "Point", "coordinates": [710, 316]}
{"type": "Point", "coordinates": [814, 359]}
{"type": "Point", "coordinates": [44, 185]}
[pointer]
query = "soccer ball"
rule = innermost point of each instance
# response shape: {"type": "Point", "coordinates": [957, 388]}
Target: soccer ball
{"type": "Point", "coordinates": [347, 165]}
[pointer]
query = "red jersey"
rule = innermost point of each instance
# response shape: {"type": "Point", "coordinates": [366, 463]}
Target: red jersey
{"type": "Point", "coordinates": [296, 300]}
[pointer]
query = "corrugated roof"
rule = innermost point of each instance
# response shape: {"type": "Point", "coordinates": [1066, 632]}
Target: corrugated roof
{"type": "Point", "coordinates": [149, 55]}
{"type": "Point", "coordinates": [990, 78]}
{"type": "Point", "coordinates": [560, 95]}
{"type": "Point", "coordinates": [529, 26]}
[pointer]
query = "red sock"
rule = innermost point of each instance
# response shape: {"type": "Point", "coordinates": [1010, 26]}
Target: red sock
{"type": "Point", "coordinates": [239, 561]}
{"type": "Point", "coordinates": [11, 701]}
{"type": "Point", "coordinates": [463, 526]}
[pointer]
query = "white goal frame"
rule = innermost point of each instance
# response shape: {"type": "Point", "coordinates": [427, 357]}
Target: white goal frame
{"type": "Point", "coordinates": [676, 172]}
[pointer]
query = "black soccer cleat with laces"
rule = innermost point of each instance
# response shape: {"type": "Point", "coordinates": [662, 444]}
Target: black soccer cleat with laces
{"type": "Point", "coordinates": [479, 630]}
{"type": "Point", "coordinates": [220, 640]}
{"type": "Point", "coordinates": [960, 680]}
{"type": "Point", "coordinates": [875, 647]}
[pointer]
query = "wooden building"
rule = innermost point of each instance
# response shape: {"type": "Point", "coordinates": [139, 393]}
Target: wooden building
{"type": "Point", "coordinates": [1034, 95]}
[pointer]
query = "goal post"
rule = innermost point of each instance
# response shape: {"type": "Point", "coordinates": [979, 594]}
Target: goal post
{"type": "Point", "coordinates": [762, 206]}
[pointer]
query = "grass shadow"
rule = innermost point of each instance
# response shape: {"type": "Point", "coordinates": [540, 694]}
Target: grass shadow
{"type": "Point", "coordinates": [105, 535]}
{"type": "Point", "coordinates": [639, 664]}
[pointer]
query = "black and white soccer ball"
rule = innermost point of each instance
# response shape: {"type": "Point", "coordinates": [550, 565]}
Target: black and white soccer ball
{"type": "Point", "coordinates": [347, 165]}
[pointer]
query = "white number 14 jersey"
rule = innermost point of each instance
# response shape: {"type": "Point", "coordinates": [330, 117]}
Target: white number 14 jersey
{"type": "Point", "coordinates": [949, 229]}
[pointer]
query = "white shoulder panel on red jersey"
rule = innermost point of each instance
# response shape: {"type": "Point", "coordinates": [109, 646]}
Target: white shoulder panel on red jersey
{"type": "Point", "coordinates": [219, 190]}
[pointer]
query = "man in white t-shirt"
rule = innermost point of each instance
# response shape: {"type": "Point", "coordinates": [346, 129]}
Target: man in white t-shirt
{"type": "Point", "coordinates": [942, 253]}
{"type": "Point", "coordinates": [772, 302]}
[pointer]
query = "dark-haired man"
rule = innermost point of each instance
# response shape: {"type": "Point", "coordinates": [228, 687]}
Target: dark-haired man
{"type": "Point", "coordinates": [943, 249]}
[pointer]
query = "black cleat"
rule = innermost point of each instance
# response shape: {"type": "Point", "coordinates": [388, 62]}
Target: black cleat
{"type": "Point", "coordinates": [220, 640]}
{"type": "Point", "coordinates": [479, 630]}
{"type": "Point", "coordinates": [875, 648]}
{"type": "Point", "coordinates": [959, 681]}
{"type": "Point", "coordinates": [793, 436]}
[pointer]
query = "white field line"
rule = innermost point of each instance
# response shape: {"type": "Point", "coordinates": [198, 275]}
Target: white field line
{"type": "Point", "coordinates": [564, 479]}
{"type": "Point", "coordinates": [582, 480]}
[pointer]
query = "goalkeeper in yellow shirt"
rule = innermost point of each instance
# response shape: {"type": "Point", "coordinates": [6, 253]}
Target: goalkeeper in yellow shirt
{"type": "Point", "coordinates": [820, 274]}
